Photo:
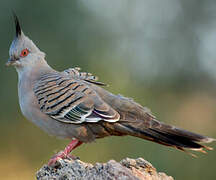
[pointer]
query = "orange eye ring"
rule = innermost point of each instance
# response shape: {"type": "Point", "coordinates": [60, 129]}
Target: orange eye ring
{"type": "Point", "coordinates": [24, 53]}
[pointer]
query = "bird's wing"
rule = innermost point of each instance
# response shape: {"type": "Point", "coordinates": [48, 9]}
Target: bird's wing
{"type": "Point", "coordinates": [71, 100]}
{"type": "Point", "coordinates": [76, 74]}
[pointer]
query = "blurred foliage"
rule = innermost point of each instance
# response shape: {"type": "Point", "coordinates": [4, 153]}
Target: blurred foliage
{"type": "Point", "coordinates": [161, 53]}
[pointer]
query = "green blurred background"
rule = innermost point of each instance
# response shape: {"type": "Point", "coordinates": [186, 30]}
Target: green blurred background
{"type": "Point", "coordinates": [161, 53]}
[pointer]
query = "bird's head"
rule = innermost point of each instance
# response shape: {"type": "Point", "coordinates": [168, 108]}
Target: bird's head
{"type": "Point", "coordinates": [23, 52]}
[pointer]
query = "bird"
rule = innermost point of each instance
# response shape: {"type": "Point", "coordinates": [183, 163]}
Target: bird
{"type": "Point", "coordinates": [74, 105]}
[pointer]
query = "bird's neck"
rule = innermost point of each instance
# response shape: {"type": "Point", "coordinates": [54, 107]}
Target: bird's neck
{"type": "Point", "coordinates": [33, 71]}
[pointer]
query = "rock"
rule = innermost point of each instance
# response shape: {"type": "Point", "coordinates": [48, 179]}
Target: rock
{"type": "Point", "coordinates": [126, 169]}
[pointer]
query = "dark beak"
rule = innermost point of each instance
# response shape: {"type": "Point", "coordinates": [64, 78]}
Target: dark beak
{"type": "Point", "coordinates": [17, 25]}
{"type": "Point", "coordinates": [11, 61]}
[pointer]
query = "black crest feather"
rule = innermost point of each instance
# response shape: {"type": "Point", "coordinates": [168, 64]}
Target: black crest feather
{"type": "Point", "coordinates": [17, 25]}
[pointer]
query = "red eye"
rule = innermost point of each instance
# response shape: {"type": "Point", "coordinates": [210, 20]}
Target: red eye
{"type": "Point", "coordinates": [24, 53]}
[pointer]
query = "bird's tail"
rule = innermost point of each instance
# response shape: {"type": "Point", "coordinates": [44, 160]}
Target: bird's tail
{"type": "Point", "coordinates": [166, 135]}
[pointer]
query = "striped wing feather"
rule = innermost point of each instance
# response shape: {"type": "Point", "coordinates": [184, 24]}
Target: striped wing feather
{"type": "Point", "coordinates": [71, 100]}
{"type": "Point", "coordinates": [76, 74]}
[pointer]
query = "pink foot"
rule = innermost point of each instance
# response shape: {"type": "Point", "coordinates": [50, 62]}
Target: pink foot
{"type": "Point", "coordinates": [65, 154]}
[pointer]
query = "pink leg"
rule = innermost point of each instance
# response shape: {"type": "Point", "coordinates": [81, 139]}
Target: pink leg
{"type": "Point", "coordinates": [64, 154]}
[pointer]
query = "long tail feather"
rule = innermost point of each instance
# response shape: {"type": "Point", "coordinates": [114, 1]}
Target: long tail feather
{"type": "Point", "coordinates": [167, 135]}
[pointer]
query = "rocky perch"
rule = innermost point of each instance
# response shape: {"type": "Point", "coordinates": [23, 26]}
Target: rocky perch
{"type": "Point", "coordinates": [126, 169]}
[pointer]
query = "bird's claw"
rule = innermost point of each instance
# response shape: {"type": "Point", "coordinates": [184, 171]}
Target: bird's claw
{"type": "Point", "coordinates": [53, 161]}
{"type": "Point", "coordinates": [61, 155]}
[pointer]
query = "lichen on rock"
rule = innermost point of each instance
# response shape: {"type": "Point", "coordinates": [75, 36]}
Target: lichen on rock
{"type": "Point", "coordinates": [126, 169]}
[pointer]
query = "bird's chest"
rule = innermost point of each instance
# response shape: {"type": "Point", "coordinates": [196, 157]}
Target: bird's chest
{"type": "Point", "coordinates": [25, 94]}
{"type": "Point", "coordinates": [30, 109]}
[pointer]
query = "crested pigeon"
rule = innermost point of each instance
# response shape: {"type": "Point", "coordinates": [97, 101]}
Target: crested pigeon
{"type": "Point", "coordinates": [73, 104]}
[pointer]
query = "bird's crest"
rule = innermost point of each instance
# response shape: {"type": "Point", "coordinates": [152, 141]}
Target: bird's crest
{"type": "Point", "coordinates": [17, 25]}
